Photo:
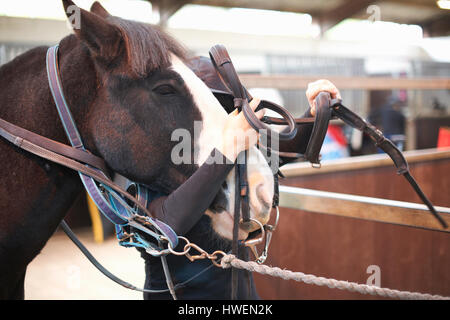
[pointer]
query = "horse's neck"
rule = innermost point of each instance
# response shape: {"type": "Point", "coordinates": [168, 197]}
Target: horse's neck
{"type": "Point", "coordinates": [25, 95]}
{"type": "Point", "coordinates": [35, 195]}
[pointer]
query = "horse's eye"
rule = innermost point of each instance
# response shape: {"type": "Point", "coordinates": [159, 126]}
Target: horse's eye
{"type": "Point", "coordinates": [165, 89]}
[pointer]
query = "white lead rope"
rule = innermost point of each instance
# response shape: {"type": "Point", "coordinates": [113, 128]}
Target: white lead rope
{"type": "Point", "coordinates": [230, 260]}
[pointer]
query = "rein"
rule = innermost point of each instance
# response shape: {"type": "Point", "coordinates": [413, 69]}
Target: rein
{"type": "Point", "coordinates": [326, 109]}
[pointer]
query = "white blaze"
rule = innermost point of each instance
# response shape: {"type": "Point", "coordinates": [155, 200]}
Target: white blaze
{"type": "Point", "coordinates": [213, 114]}
{"type": "Point", "coordinates": [213, 121]}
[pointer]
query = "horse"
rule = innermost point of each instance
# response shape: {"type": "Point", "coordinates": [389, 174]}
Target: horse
{"type": "Point", "coordinates": [128, 87]}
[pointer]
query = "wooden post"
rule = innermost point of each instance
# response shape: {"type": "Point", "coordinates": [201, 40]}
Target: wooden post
{"type": "Point", "coordinates": [166, 8]}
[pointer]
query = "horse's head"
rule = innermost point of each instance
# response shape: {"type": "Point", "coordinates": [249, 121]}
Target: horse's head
{"type": "Point", "coordinates": [145, 92]}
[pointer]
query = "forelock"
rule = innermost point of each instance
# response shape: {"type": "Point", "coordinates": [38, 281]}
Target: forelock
{"type": "Point", "coordinates": [148, 48]}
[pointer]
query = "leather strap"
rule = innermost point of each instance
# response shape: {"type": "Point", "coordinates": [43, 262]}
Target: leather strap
{"type": "Point", "coordinates": [67, 162]}
{"type": "Point", "coordinates": [57, 147]}
{"type": "Point", "coordinates": [244, 190]}
{"type": "Point", "coordinates": [90, 173]}
{"type": "Point", "coordinates": [355, 121]}
{"type": "Point", "coordinates": [326, 109]}
{"type": "Point", "coordinates": [323, 116]}
{"type": "Point", "coordinates": [280, 121]}
{"type": "Point", "coordinates": [74, 137]}
{"type": "Point", "coordinates": [226, 71]}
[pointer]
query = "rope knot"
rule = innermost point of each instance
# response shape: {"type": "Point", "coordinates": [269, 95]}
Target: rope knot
{"type": "Point", "coordinates": [225, 262]}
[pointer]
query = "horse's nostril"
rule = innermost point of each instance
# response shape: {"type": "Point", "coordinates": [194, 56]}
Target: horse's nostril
{"type": "Point", "coordinates": [248, 225]}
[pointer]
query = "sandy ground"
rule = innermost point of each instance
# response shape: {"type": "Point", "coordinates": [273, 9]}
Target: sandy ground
{"type": "Point", "coordinates": [62, 272]}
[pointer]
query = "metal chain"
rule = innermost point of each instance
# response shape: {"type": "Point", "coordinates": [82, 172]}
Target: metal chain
{"type": "Point", "coordinates": [215, 256]}
{"type": "Point", "coordinates": [202, 254]}
{"type": "Point", "coordinates": [230, 260]}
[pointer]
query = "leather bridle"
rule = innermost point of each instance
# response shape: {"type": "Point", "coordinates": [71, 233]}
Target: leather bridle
{"type": "Point", "coordinates": [326, 108]}
{"type": "Point", "coordinates": [241, 99]}
{"type": "Point", "coordinates": [227, 73]}
{"type": "Point", "coordinates": [110, 197]}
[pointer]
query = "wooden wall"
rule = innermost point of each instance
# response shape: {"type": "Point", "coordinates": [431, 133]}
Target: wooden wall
{"type": "Point", "coordinates": [427, 131]}
{"type": "Point", "coordinates": [343, 248]}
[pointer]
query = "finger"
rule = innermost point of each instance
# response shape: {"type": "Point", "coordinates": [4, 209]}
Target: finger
{"type": "Point", "coordinates": [254, 103]}
{"type": "Point", "coordinates": [235, 112]}
{"type": "Point", "coordinates": [243, 124]}
{"type": "Point", "coordinates": [312, 102]}
{"type": "Point", "coordinates": [322, 84]}
{"type": "Point", "coordinates": [328, 87]}
{"type": "Point", "coordinates": [314, 91]}
{"type": "Point", "coordinates": [337, 95]}
{"type": "Point", "coordinates": [260, 113]}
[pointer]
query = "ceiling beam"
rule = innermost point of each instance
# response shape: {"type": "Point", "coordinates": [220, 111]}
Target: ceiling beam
{"type": "Point", "coordinates": [346, 10]}
{"type": "Point", "coordinates": [436, 27]}
{"type": "Point", "coordinates": [299, 5]}
{"type": "Point", "coordinates": [166, 8]}
{"type": "Point", "coordinates": [327, 19]}
{"type": "Point", "coordinates": [285, 6]}
{"type": "Point", "coordinates": [417, 3]}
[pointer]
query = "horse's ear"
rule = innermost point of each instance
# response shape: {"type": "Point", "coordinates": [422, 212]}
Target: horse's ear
{"type": "Point", "coordinates": [101, 37]}
{"type": "Point", "coordinates": [99, 10]}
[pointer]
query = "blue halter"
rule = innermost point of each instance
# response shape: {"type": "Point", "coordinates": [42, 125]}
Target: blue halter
{"type": "Point", "coordinates": [110, 203]}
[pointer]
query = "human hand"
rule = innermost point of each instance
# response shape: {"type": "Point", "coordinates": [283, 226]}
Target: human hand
{"type": "Point", "coordinates": [237, 133]}
{"type": "Point", "coordinates": [314, 88]}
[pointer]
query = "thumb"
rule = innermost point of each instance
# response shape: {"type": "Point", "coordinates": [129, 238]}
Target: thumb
{"type": "Point", "coordinates": [254, 103]}
{"type": "Point", "coordinates": [234, 112]}
{"type": "Point", "coordinates": [260, 113]}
